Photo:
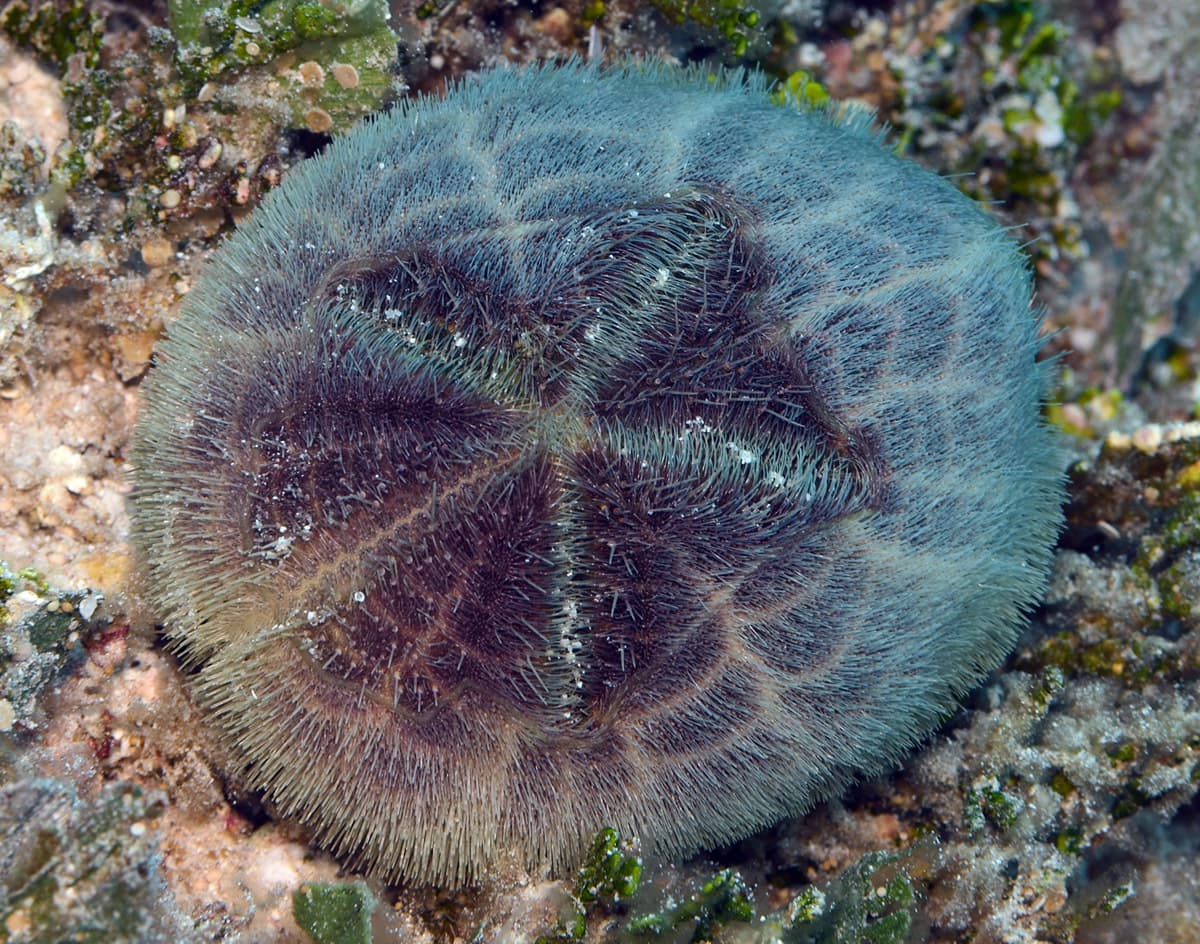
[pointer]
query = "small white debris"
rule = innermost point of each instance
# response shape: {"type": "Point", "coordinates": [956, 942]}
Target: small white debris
{"type": "Point", "coordinates": [89, 604]}
{"type": "Point", "coordinates": [8, 715]}
{"type": "Point", "coordinates": [1049, 111]}
{"type": "Point", "coordinates": [744, 456]}
{"type": "Point", "coordinates": [41, 249]}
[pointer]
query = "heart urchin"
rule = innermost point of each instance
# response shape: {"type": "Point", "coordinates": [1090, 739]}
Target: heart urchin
{"type": "Point", "coordinates": [592, 449]}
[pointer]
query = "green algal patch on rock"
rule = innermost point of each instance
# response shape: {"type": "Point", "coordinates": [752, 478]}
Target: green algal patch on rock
{"type": "Point", "coordinates": [809, 904]}
{"type": "Point", "coordinates": [986, 803]}
{"type": "Point", "coordinates": [337, 59]}
{"type": "Point", "coordinates": [56, 30]}
{"type": "Point", "coordinates": [118, 103]}
{"type": "Point", "coordinates": [334, 912]}
{"type": "Point", "coordinates": [1099, 703]}
{"type": "Point", "coordinates": [873, 901]}
{"type": "Point", "coordinates": [723, 899]}
{"type": "Point", "coordinates": [68, 36]}
{"type": "Point", "coordinates": [1114, 898]}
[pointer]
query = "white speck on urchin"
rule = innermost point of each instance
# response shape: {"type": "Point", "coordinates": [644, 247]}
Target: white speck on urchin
{"type": "Point", "coordinates": [697, 424]}
{"type": "Point", "coordinates": [744, 456]}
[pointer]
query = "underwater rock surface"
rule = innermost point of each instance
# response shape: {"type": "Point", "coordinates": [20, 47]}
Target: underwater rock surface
{"type": "Point", "coordinates": [593, 448]}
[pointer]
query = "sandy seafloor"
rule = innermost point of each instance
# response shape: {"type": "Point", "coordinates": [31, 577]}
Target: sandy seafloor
{"type": "Point", "coordinates": [1059, 805]}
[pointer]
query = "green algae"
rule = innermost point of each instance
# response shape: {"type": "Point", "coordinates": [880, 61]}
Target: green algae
{"type": "Point", "coordinates": [1123, 753]}
{"type": "Point", "coordinates": [801, 88]}
{"type": "Point", "coordinates": [1052, 120]}
{"type": "Point", "coordinates": [1145, 489]}
{"type": "Point", "coordinates": [592, 12]}
{"type": "Point", "coordinates": [990, 804]}
{"type": "Point", "coordinates": [722, 899]}
{"type": "Point", "coordinates": [1114, 898]}
{"type": "Point", "coordinates": [1129, 624]}
{"type": "Point", "coordinates": [56, 30]}
{"type": "Point", "coordinates": [733, 21]}
{"type": "Point", "coordinates": [215, 37]}
{"type": "Point", "coordinates": [874, 901]}
{"type": "Point", "coordinates": [1061, 784]}
{"type": "Point", "coordinates": [1050, 683]}
{"type": "Point", "coordinates": [809, 904]}
{"type": "Point", "coordinates": [1070, 842]}
{"type": "Point", "coordinates": [610, 874]}
{"type": "Point", "coordinates": [11, 583]}
{"type": "Point", "coordinates": [68, 37]}
{"type": "Point", "coordinates": [334, 912]}
{"type": "Point", "coordinates": [613, 869]}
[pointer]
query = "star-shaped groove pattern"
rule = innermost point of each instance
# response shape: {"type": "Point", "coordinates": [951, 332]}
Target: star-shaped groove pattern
{"type": "Point", "coordinates": [514, 474]}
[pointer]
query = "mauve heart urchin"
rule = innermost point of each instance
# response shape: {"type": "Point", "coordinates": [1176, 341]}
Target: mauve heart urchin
{"type": "Point", "coordinates": [592, 448]}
